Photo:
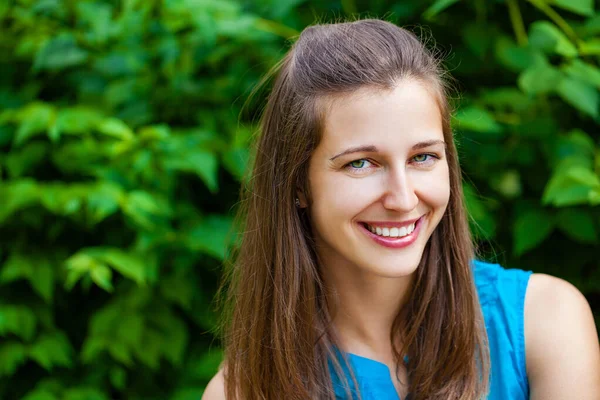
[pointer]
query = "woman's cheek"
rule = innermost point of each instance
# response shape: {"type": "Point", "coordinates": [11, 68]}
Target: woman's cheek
{"type": "Point", "coordinates": [350, 193]}
{"type": "Point", "coordinates": [435, 186]}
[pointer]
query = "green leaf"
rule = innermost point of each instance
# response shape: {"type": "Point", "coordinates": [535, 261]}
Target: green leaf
{"type": "Point", "coordinates": [151, 344]}
{"type": "Point", "coordinates": [74, 121]}
{"type": "Point", "coordinates": [582, 7]}
{"type": "Point", "coordinates": [84, 393]}
{"type": "Point", "coordinates": [102, 276]}
{"type": "Point", "coordinates": [571, 186]}
{"type": "Point", "coordinates": [6, 134]}
{"type": "Point", "coordinates": [236, 162]}
{"type": "Point", "coordinates": [78, 265]}
{"type": "Point", "coordinates": [39, 273]}
{"type": "Point", "coordinates": [137, 297]}
{"type": "Point", "coordinates": [507, 97]}
{"type": "Point", "coordinates": [103, 200]}
{"type": "Point", "coordinates": [59, 53]}
{"type": "Point", "coordinates": [52, 350]}
{"type": "Point", "coordinates": [62, 199]}
{"type": "Point", "coordinates": [539, 78]}
{"type": "Point", "coordinates": [131, 266]}
{"type": "Point", "coordinates": [116, 128]}
{"type": "Point", "coordinates": [279, 9]}
{"type": "Point", "coordinates": [120, 352]}
{"type": "Point", "coordinates": [104, 322]}
{"type": "Point", "coordinates": [530, 230]}
{"type": "Point", "coordinates": [34, 119]}
{"type": "Point", "coordinates": [508, 183]}
{"type": "Point", "coordinates": [515, 57]}
{"type": "Point", "coordinates": [210, 235]}
{"type": "Point", "coordinates": [176, 340]}
{"type": "Point", "coordinates": [437, 7]}
{"type": "Point", "coordinates": [590, 47]}
{"type": "Point", "coordinates": [50, 385]}
{"type": "Point", "coordinates": [187, 394]}
{"type": "Point", "coordinates": [202, 163]}
{"type": "Point", "coordinates": [118, 378]}
{"type": "Point", "coordinates": [155, 132]}
{"type": "Point", "coordinates": [547, 37]}
{"type": "Point", "coordinates": [91, 349]}
{"type": "Point", "coordinates": [478, 120]}
{"type": "Point", "coordinates": [19, 163]}
{"type": "Point", "coordinates": [577, 146]}
{"type": "Point", "coordinates": [97, 18]}
{"type": "Point", "coordinates": [146, 209]}
{"type": "Point", "coordinates": [481, 221]}
{"type": "Point", "coordinates": [179, 289]}
{"type": "Point", "coordinates": [17, 266]}
{"type": "Point", "coordinates": [477, 38]}
{"type": "Point", "coordinates": [18, 320]}
{"type": "Point", "coordinates": [208, 365]}
{"type": "Point", "coordinates": [577, 224]}
{"type": "Point", "coordinates": [580, 95]}
{"type": "Point", "coordinates": [17, 195]}
{"type": "Point", "coordinates": [583, 71]}
{"type": "Point", "coordinates": [40, 394]}
{"type": "Point", "coordinates": [130, 330]}
{"type": "Point", "coordinates": [42, 279]}
{"type": "Point", "coordinates": [594, 197]}
{"type": "Point", "coordinates": [542, 127]}
{"type": "Point", "coordinates": [13, 354]}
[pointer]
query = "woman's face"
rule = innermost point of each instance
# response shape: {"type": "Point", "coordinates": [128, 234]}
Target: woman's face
{"type": "Point", "coordinates": [379, 180]}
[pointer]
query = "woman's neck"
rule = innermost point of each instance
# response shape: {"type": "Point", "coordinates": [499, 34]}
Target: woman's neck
{"type": "Point", "coordinates": [364, 308]}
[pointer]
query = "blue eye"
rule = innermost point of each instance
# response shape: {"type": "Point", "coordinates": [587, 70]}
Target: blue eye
{"type": "Point", "coordinates": [421, 157]}
{"type": "Point", "coordinates": [425, 158]}
{"type": "Point", "coordinates": [358, 164]}
{"type": "Point", "coordinates": [361, 166]}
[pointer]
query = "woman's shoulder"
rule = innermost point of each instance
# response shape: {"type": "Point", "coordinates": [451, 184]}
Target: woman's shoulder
{"type": "Point", "coordinates": [563, 353]}
{"type": "Point", "coordinates": [541, 332]}
{"type": "Point", "coordinates": [215, 390]}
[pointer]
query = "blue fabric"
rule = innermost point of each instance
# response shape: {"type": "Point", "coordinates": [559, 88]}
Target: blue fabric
{"type": "Point", "coordinates": [502, 297]}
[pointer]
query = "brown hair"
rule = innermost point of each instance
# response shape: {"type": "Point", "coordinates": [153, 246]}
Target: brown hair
{"type": "Point", "coordinates": [277, 335]}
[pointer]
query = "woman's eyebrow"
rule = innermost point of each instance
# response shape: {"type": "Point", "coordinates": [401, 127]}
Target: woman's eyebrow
{"type": "Point", "coordinates": [427, 143]}
{"type": "Point", "coordinates": [373, 149]}
{"type": "Point", "coordinates": [359, 149]}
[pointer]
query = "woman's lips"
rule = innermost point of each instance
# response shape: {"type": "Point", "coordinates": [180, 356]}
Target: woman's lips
{"type": "Point", "coordinates": [394, 242]}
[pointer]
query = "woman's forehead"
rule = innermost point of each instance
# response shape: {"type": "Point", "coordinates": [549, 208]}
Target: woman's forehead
{"type": "Point", "coordinates": [407, 113]}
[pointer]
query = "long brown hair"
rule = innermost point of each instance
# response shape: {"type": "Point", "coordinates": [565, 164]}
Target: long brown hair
{"type": "Point", "coordinates": [277, 329]}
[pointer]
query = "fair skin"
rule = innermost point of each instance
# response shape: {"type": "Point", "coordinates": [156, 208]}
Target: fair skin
{"type": "Point", "coordinates": [364, 171]}
{"type": "Point", "coordinates": [561, 342]}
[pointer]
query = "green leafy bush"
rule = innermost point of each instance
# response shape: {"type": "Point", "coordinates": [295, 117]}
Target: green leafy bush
{"type": "Point", "coordinates": [122, 149]}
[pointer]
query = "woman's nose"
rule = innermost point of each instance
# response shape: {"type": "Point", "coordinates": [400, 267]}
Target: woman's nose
{"type": "Point", "coordinates": [400, 194]}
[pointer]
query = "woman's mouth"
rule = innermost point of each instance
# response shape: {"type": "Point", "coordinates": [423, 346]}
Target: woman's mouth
{"type": "Point", "coordinates": [392, 235]}
{"type": "Point", "coordinates": [393, 232]}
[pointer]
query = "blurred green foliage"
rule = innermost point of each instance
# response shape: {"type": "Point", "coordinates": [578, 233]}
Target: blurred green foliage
{"type": "Point", "coordinates": [122, 149]}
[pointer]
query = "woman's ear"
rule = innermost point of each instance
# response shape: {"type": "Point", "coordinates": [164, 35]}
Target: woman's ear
{"type": "Point", "coordinates": [301, 199]}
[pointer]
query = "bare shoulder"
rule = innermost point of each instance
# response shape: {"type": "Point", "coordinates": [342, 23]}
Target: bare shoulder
{"type": "Point", "coordinates": [215, 390]}
{"type": "Point", "coordinates": [561, 341]}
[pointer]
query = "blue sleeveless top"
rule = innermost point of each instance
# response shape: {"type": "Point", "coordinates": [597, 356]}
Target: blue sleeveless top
{"type": "Point", "coordinates": [502, 297]}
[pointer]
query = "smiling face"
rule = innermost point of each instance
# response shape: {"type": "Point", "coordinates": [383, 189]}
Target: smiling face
{"type": "Point", "coordinates": [379, 180]}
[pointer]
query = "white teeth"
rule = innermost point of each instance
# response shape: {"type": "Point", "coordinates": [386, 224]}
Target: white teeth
{"type": "Point", "coordinates": [392, 232]}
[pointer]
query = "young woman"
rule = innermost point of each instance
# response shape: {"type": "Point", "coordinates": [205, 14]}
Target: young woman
{"type": "Point", "coordinates": [356, 275]}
